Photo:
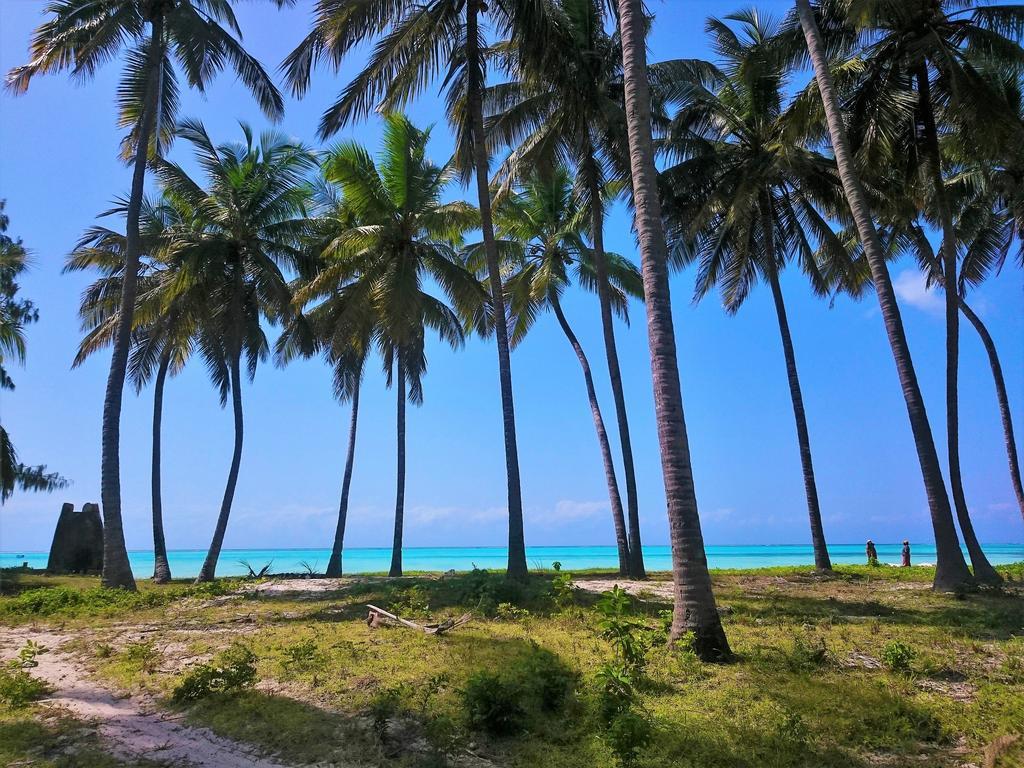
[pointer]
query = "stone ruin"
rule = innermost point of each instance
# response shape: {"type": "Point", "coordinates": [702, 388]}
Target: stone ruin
{"type": "Point", "coordinates": [77, 541]}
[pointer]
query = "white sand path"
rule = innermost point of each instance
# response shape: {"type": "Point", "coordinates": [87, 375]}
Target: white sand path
{"type": "Point", "coordinates": [129, 727]}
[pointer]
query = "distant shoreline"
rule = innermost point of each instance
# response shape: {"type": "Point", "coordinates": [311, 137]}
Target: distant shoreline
{"type": "Point", "coordinates": [366, 560]}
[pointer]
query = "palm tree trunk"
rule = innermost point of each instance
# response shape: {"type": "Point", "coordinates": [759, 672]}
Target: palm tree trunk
{"type": "Point", "coordinates": [951, 568]}
{"type": "Point", "coordinates": [636, 555]}
{"type": "Point", "coordinates": [396, 547]}
{"type": "Point", "coordinates": [161, 568]}
{"type": "Point", "coordinates": [695, 609]}
{"type": "Point", "coordinates": [983, 570]}
{"type": "Point", "coordinates": [209, 569]}
{"type": "Point", "coordinates": [821, 558]}
{"type": "Point", "coordinates": [117, 571]}
{"type": "Point", "coordinates": [1004, 401]}
{"type": "Point", "coordinates": [618, 519]}
{"type": "Point", "coordinates": [516, 541]}
{"type": "Point", "coordinates": [334, 564]}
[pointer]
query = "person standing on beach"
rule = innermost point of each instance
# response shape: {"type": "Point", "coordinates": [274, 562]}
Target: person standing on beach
{"type": "Point", "coordinates": [905, 563]}
{"type": "Point", "coordinates": [872, 554]}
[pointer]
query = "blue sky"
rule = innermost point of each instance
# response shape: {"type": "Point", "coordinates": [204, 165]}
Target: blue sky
{"type": "Point", "coordinates": [58, 169]}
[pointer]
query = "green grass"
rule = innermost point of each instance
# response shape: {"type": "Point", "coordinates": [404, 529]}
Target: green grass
{"type": "Point", "coordinates": [807, 686]}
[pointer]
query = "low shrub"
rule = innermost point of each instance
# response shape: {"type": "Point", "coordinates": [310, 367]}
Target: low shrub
{"type": "Point", "coordinates": [232, 670]}
{"type": "Point", "coordinates": [543, 675]}
{"type": "Point", "coordinates": [808, 654]}
{"type": "Point", "coordinates": [897, 656]}
{"type": "Point", "coordinates": [66, 601]}
{"type": "Point", "coordinates": [409, 602]}
{"type": "Point", "coordinates": [18, 687]}
{"type": "Point", "coordinates": [510, 612]}
{"type": "Point", "coordinates": [493, 704]}
{"type": "Point", "coordinates": [301, 656]}
{"type": "Point", "coordinates": [142, 654]}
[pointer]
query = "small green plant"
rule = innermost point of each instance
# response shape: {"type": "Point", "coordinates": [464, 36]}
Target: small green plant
{"type": "Point", "coordinates": [808, 654]}
{"type": "Point", "coordinates": [493, 704]}
{"type": "Point", "coordinates": [17, 686]}
{"type": "Point", "coordinates": [544, 675]}
{"type": "Point", "coordinates": [301, 656]}
{"type": "Point", "coordinates": [628, 634]}
{"type": "Point", "coordinates": [897, 656]}
{"type": "Point", "coordinates": [410, 602]}
{"type": "Point", "coordinates": [562, 590]}
{"type": "Point", "coordinates": [104, 651]}
{"type": "Point", "coordinates": [510, 612]}
{"type": "Point", "coordinates": [385, 705]}
{"type": "Point", "coordinates": [232, 670]}
{"type": "Point", "coordinates": [557, 566]}
{"type": "Point", "coordinates": [142, 654]}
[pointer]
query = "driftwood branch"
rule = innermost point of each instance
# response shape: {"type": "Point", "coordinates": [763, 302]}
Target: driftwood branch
{"type": "Point", "coordinates": [378, 616]}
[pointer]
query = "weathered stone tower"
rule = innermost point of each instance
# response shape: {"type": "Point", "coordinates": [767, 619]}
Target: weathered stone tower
{"type": "Point", "coordinates": [77, 541]}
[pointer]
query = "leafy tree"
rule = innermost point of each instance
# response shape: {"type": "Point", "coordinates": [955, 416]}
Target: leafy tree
{"type": "Point", "coordinates": [543, 229]}
{"type": "Point", "coordinates": [415, 42]}
{"type": "Point", "coordinates": [167, 323]}
{"type": "Point", "coordinates": [15, 314]}
{"type": "Point", "coordinates": [403, 234]}
{"type": "Point", "coordinates": [248, 224]}
{"type": "Point", "coordinates": [156, 38]}
{"type": "Point", "coordinates": [951, 569]}
{"type": "Point", "coordinates": [694, 609]}
{"type": "Point", "coordinates": [741, 193]}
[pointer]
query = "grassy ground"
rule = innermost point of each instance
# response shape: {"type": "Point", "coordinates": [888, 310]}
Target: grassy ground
{"type": "Point", "coordinates": [866, 668]}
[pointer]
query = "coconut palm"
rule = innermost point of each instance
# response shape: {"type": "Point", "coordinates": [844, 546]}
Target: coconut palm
{"type": "Point", "coordinates": [403, 234]}
{"type": "Point", "coordinates": [156, 38]}
{"type": "Point", "coordinates": [15, 314]}
{"type": "Point", "coordinates": [543, 227]}
{"type": "Point", "coordinates": [166, 322]}
{"type": "Point", "coordinates": [567, 107]}
{"type": "Point", "coordinates": [416, 42]}
{"type": "Point", "coordinates": [951, 569]}
{"type": "Point", "coordinates": [741, 196]}
{"type": "Point", "coordinates": [926, 71]}
{"type": "Point", "coordinates": [340, 327]}
{"type": "Point", "coordinates": [248, 224]}
{"type": "Point", "coordinates": [695, 610]}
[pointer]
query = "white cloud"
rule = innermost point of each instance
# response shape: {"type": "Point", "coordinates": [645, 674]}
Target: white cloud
{"type": "Point", "coordinates": [568, 510]}
{"type": "Point", "coordinates": [911, 288]}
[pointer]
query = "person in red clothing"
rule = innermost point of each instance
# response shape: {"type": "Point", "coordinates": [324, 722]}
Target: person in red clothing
{"type": "Point", "coordinates": [906, 554]}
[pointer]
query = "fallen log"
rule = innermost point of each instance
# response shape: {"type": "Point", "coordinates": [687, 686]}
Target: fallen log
{"type": "Point", "coordinates": [378, 616]}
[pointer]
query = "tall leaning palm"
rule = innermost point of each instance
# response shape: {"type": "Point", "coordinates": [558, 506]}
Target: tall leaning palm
{"type": "Point", "coordinates": [416, 42]}
{"type": "Point", "coordinates": [156, 38]}
{"type": "Point", "coordinates": [927, 68]}
{"type": "Point", "coordinates": [403, 236]}
{"type": "Point", "coordinates": [951, 569]}
{"type": "Point", "coordinates": [250, 223]}
{"type": "Point", "coordinates": [742, 198]}
{"type": "Point", "coordinates": [694, 610]}
{"type": "Point", "coordinates": [543, 227]}
{"type": "Point", "coordinates": [566, 106]}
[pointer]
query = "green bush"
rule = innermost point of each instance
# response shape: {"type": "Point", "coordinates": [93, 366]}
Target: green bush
{"type": "Point", "coordinates": [493, 704]}
{"type": "Point", "coordinates": [562, 590]}
{"type": "Point", "coordinates": [485, 591]}
{"type": "Point", "coordinates": [301, 656]}
{"type": "Point", "coordinates": [18, 687]}
{"type": "Point", "coordinates": [509, 612]}
{"type": "Point", "coordinates": [409, 602]}
{"type": "Point", "coordinates": [898, 656]}
{"type": "Point", "coordinates": [65, 601]}
{"type": "Point", "coordinates": [808, 654]}
{"type": "Point", "coordinates": [629, 635]}
{"type": "Point", "coordinates": [142, 654]}
{"type": "Point", "coordinates": [627, 734]}
{"type": "Point", "coordinates": [232, 670]}
{"type": "Point", "coordinates": [544, 675]}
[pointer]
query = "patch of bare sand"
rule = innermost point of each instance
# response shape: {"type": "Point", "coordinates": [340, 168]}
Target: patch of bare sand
{"type": "Point", "coordinates": [130, 727]}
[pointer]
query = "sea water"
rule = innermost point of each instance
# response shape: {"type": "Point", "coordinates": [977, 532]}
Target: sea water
{"type": "Point", "coordinates": [234, 562]}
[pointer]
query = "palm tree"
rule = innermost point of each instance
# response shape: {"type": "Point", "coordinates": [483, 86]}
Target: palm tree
{"type": "Point", "coordinates": [402, 235]}
{"type": "Point", "coordinates": [201, 37]}
{"type": "Point", "coordinates": [416, 42]}
{"type": "Point", "coordinates": [741, 200]}
{"type": "Point", "coordinates": [15, 314]}
{"type": "Point", "coordinates": [567, 107]}
{"type": "Point", "coordinates": [165, 322]}
{"type": "Point", "coordinates": [929, 62]}
{"type": "Point", "coordinates": [247, 223]}
{"type": "Point", "coordinates": [543, 230]}
{"type": "Point", "coordinates": [951, 569]}
{"type": "Point", "coordinates": [341, 328]}
{"type": "Point", "coordinates": [695, 610]}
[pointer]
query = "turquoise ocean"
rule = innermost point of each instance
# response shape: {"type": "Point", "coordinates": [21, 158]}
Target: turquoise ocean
{"type": "Point", "coordinates": [186, 562]}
